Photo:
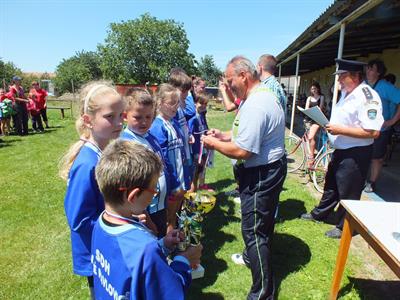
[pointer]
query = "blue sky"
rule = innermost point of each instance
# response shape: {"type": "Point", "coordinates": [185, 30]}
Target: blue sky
{"type": "Point", "coordinates": [37, 34]}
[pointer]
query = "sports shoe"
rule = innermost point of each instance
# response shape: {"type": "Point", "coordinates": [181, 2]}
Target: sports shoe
{"type": "Point", "coordinates": [369, 187]}
{"type": "Point", "coordinates": [237, 258]}
{"type": "Point", "coordinates": [334, 233]}
{"type": "Point", "coordinates": [233, 193]}
{"type": "Point", "coordinates": [308, 217]}
{"type": "Point", "coordinates": [237, 200]}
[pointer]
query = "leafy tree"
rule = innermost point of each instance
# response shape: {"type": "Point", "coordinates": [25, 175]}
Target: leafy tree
{"type": "Point", "coordinates": [80, 68]}
{"type": "Point", "coordinates": [145, 49]}
{"type": "Point", "coordinates": [7, 71]}
{"type": "Point", "coordinates": [208, 70]}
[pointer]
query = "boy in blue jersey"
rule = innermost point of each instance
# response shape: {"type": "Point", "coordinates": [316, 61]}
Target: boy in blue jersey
{"type": "Point", "coordinates": [128, 260]}
{"type": "Point", "coordinates": [180, 80]}
{"type": "Point", "coordinates": [140, 114]}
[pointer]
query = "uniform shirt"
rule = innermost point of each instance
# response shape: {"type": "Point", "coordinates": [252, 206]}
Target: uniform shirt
{"type": "Point", "coordinates": [149, 141]}
{"type": "Point", "coordinates": [197, 127]}
{"type": "Point", "coordinates": [165, 132]}
{"type": "Point", "coordinates": [129, 263]}
{"type": "Point", "coordinates": [259, 127]}
{"type": "Point", "coordinates": [190, 108]}
{"type": "Point", "coordinates": [273, 84]}
{"type": "Point", "coordinates": [83, 204]}
{"type": "Point", "coordinates": [390, 97]}
{"type": "Point", "coordinates": [361, 108]}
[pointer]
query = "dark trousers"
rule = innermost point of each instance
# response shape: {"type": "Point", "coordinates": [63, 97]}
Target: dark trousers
{"type": "Point", "coordinates": [345, 179]}
{"type": "Point", "coordinates": [259, 189]}
{"type": "Point", "coordinates": [37, 122]}
{"type": "Point", "coordinates": [20, 119]}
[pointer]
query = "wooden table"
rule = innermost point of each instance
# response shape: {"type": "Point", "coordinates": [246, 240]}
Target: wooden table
{"type": "Point", "coordinates": [379, 224]}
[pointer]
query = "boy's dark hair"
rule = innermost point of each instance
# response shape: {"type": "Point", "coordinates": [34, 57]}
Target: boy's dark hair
{"type": "Point", "coordinates": [390, 78]}
{"type": "Point", "coordinates": [179, 79]}
{"type": "Point", "coordinates": [380, 66]}
{"type": "Point", "coordinates": [125, 165]}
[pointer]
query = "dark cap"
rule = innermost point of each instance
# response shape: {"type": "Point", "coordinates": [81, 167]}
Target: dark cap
{"type": "Point", "coordinates": [16, 78]}
{"type": "Point", "coordinates": [345, 65]}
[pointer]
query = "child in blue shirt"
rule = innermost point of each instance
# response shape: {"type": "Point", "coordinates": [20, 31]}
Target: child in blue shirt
{"type": "Point", "coordinates": [180, 80]}
{"type": "Point", "coordinates": [166, 131]}
{"type": "Point", "coordinates": [100, 121]}
{"type": "Point", "coordinates": [201, 155]}
{"type": "Point", "coordinates": [140, 113]}
{"type": "Point", "coordinates": [128, 260]}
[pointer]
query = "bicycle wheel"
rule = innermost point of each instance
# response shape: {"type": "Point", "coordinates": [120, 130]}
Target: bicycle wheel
{"type": "Point", "coordinates": [319, 170]}
{"type": "Point", "coordinates": [295, 153]}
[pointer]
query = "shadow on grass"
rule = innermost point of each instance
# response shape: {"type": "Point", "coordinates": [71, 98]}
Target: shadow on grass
{"type": "Point", "coordinates": [291, 209]}
{"type": "Point", "coordinates": [221, 215]}
{"type": "Point", "coordinates": [372, 289]}
{"type": "Point", "coordinates": [289, 254]}
{"type": "Point", "coordinates": [9, 140]}
{"type": "Point", "coordinates": [221, 184]}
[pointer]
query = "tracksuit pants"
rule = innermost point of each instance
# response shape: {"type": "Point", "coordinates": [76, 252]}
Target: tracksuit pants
{"type": "Point", "coordinates": [259, 189]}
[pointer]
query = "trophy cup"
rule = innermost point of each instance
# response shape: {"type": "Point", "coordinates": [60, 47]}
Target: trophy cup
{"type": "Point", "coordinates": [194, 207]}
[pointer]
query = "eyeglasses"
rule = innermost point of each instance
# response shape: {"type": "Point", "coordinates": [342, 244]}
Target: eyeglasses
{"type": "Point", "coordinates": [150, 190]}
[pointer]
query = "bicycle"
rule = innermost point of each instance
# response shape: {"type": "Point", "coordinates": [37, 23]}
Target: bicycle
{"type": "Point", "coordinates": [298, 151]}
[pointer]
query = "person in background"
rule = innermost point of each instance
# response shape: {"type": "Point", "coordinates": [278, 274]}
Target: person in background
{"type": "Point", "coordinates": [390, 97]}
{"type": "Point", "coordinates": [354, 124]}
{"type": "Point", "coordinates": [140, 113]}
{"type": "Point", "coordinates": [99, 122]}
{"type": "Point", "coordinates": [315, 99]}
{"type": "Point", "coordinates": [266, 69]}
{"type": "Point", "coordinates": [40, 95]}
{"type": "Point", "coordinates": [17, 95]}
{"type": "Point", "coordinates": [6, 112]}
{"type": "Point", "coordinates": [165, 130]}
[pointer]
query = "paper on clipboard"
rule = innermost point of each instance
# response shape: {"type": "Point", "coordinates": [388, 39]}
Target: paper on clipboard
{"type": "Point", "coordinates": [315, 114]}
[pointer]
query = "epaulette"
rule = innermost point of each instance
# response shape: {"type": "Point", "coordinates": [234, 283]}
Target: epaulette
{"type": "Point", "coordinates": [367, 93]}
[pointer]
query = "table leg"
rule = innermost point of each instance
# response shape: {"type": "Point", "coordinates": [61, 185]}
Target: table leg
{"type": "Point", "coordinates": [341, 258]}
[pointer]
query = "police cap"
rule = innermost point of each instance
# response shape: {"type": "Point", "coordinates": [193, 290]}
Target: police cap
{"type": "Point", "coordinates": [345, 65]}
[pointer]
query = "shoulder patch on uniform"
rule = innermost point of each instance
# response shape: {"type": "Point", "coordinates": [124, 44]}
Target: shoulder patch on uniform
{"type": "Point", "coordinates": [372, 113]}
{"type": "Point", "coordinates": [367, 93]}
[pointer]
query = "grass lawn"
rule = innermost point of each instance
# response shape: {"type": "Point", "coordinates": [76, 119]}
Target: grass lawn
{"type": "Point", "coordinates": [35, 250]}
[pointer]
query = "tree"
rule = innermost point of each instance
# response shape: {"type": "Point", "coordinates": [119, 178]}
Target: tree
{"type": "Point", "coordinates": [208, 70]}
{"type": "Point", "coordinates": [145, 49]}
{"type": "Point", "coordinates": [7, 71]}
{"type": "Point", "coordinates": [80, 68]}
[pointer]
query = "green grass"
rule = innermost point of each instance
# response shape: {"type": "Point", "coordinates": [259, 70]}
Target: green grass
{"type": "Point", "coordinates": [35, 248]}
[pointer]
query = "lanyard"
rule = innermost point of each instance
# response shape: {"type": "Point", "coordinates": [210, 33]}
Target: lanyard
{"type": "Point", "coordinates": [132, 220]}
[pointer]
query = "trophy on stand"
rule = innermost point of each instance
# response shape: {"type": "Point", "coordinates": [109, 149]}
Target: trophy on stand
{"type": "Point", "coordinates": [194, 207]}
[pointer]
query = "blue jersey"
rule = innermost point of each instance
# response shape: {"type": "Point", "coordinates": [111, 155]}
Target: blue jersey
{"type": "Point", "coordinates": [129, 263]}
{"type": "Point", "coordinates": [390, 98]}
{"type": "Point", "coordinates": [197, 127]}
{"type": "Point", "coordinates": [183, 131]}
{"type": "Point", "coordinates": [165, 132]}
{"type": "Point", "coordinates": [190, 109]}
{"type": "Point", "coordinates": [159, 201]}
{"type": "Point", "coordinates": [83, 204]}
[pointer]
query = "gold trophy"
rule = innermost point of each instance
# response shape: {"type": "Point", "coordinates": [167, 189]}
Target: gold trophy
{"type": "Point", "coordinates": [194, 207]}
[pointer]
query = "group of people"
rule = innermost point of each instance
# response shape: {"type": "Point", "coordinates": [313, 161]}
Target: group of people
{"type": "Point", "coordinates": [123, 197]}
{"type": "Point", "coordinates": [16, 106]}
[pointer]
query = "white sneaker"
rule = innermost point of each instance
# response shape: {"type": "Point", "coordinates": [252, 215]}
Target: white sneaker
{"type": "Point", "coordinates": [236, 200]}
{"type": "Point", "coordinates": [237, 258]}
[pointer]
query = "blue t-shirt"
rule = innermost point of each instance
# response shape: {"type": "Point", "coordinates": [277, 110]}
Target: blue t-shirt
{"type": "Point", "coordinates": [165, 132]}
{"type": "Point", "coordinates": [83, 204]}
{"type": "Point", "coordinates": [259, 127]}
{"type": "Point", "coordinates": [159, 201]}
{"type": "Point", "coordinates": [190, 109]}
{"type": "Point", "coordinates": [129, 263]}
{"type": "Point", "coordinates": [197, 127]}
{"type": "Point", "coordinates": [390, 97]}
